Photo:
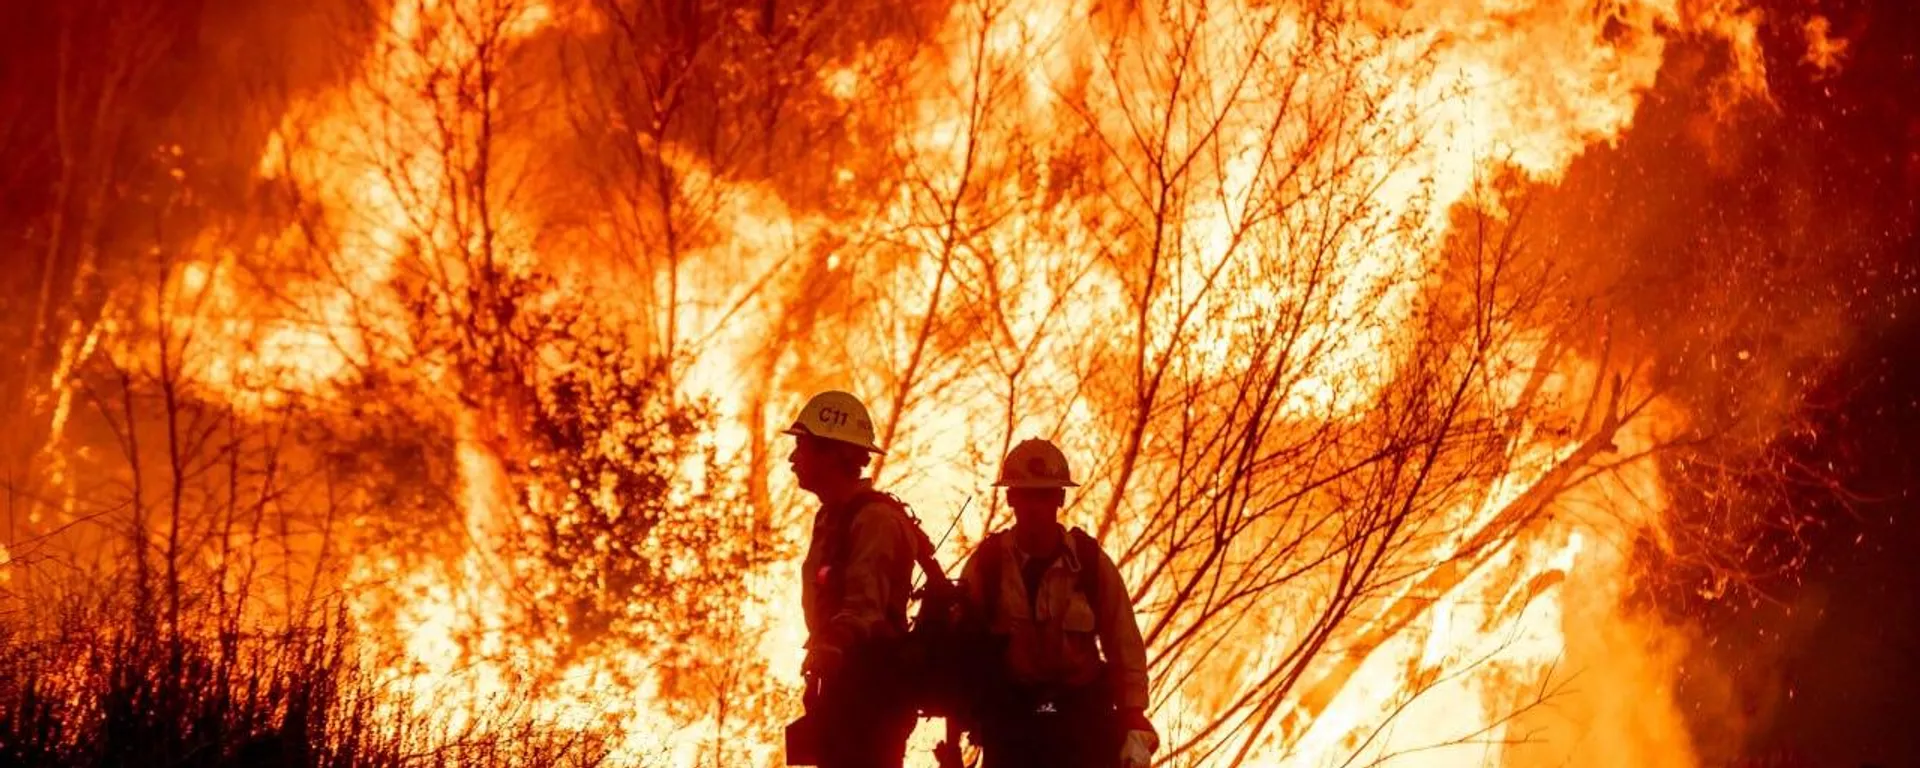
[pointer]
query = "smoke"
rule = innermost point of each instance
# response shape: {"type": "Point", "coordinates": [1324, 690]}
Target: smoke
{"type": "Point", "coordinates": [1749, 252]}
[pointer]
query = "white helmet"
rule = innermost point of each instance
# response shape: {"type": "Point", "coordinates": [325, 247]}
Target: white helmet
{"type": "Point", "coordinates": [1035, 463]}
{"type": "Point", "coordinates": [836, 415]}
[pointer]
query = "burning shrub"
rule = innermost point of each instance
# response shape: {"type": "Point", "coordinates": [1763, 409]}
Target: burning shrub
{"type": "Point", "coordinates": [91, 692]}
{"type": "Point", "coordinates": [521, 264]}
{"type": "Point", "coordinates": [636, 542]}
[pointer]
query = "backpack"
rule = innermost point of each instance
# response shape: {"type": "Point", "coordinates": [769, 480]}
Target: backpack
{"type": "Point", "coordinates": [936, 660]}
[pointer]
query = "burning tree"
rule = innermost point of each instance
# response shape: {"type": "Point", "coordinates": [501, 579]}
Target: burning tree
{"type": "Point", "coordinates": [534, 285]}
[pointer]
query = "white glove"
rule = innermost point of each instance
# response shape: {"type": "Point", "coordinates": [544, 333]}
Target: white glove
{"type": "Point", "coordinates": [1137, 751]}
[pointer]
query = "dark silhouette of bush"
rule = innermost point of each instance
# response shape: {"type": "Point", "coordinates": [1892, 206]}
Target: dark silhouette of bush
{"type": "Point", "coordinates": [90, 693]}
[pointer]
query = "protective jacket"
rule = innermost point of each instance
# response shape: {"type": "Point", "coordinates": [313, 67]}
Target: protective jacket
{"type": "Point", "coordinates": [860, 595]}
{"type": "Point", "coordinates": [1056, 636]}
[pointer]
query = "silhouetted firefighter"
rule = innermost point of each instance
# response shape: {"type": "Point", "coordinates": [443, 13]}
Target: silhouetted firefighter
{"type": "Point", "coordinates": [1057, 602]}
{"type": "Point", "coordinates": [1014, 654]}
{"type": "Point", "coordinates": [867, 678]}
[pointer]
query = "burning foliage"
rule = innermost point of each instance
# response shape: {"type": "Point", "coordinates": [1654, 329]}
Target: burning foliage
{"type": "Point", "coordinates": [460, 369]}
{"type": "Point", "coordinates": [80, 698]}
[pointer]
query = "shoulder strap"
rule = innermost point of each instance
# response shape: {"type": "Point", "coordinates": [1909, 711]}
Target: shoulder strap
{"type": "Point", "coordinates": [842, 531]}
{"type": "Point", "coordinates": [1088, 552]}
{"type": "Point", "coordinates": [922, 546]}
{"type": "Point", "coordinates": [993, 556]}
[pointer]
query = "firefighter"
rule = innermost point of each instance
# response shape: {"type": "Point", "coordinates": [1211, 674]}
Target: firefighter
{"type": "Point", "coordinates": [1072, 688]}
{"type": "Point", "coordinates": [856, 580]}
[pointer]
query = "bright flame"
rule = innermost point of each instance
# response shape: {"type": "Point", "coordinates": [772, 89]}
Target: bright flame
{"type": "Point", "coordinates": [1824, 52]}
{"type": "Point", "coordinates": [1299, 159]}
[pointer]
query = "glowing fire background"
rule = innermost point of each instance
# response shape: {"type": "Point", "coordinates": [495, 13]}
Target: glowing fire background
{"type": "Point", "coordinates": [1518, 382]}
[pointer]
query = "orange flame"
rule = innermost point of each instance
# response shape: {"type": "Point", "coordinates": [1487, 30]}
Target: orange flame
{"type": "Point", "coordinates": [1441, 96]}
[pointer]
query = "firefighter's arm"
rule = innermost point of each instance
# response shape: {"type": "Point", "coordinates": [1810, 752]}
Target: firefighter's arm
{"type": "Point", "coordinates": [878, 546]}
{"type": "Point", "coordinates": [1126, 652]}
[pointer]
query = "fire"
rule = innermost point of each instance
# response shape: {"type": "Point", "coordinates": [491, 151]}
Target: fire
{"type": "Point", "coordinates": [1824, 52]}
{"type": "Point", "coordinates": [1073, 205]}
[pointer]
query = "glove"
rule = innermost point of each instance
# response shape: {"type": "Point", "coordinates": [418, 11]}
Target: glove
{"type": "Point", "coordinates": [1137, 751]}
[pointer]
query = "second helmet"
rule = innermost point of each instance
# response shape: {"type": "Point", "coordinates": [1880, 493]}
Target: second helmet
{"type": "Point", "coordinates": [1035, 463]}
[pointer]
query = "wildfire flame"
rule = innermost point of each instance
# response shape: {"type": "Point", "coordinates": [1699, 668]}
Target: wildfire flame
{"type": "Point", "coordinates": [1427, 104]}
